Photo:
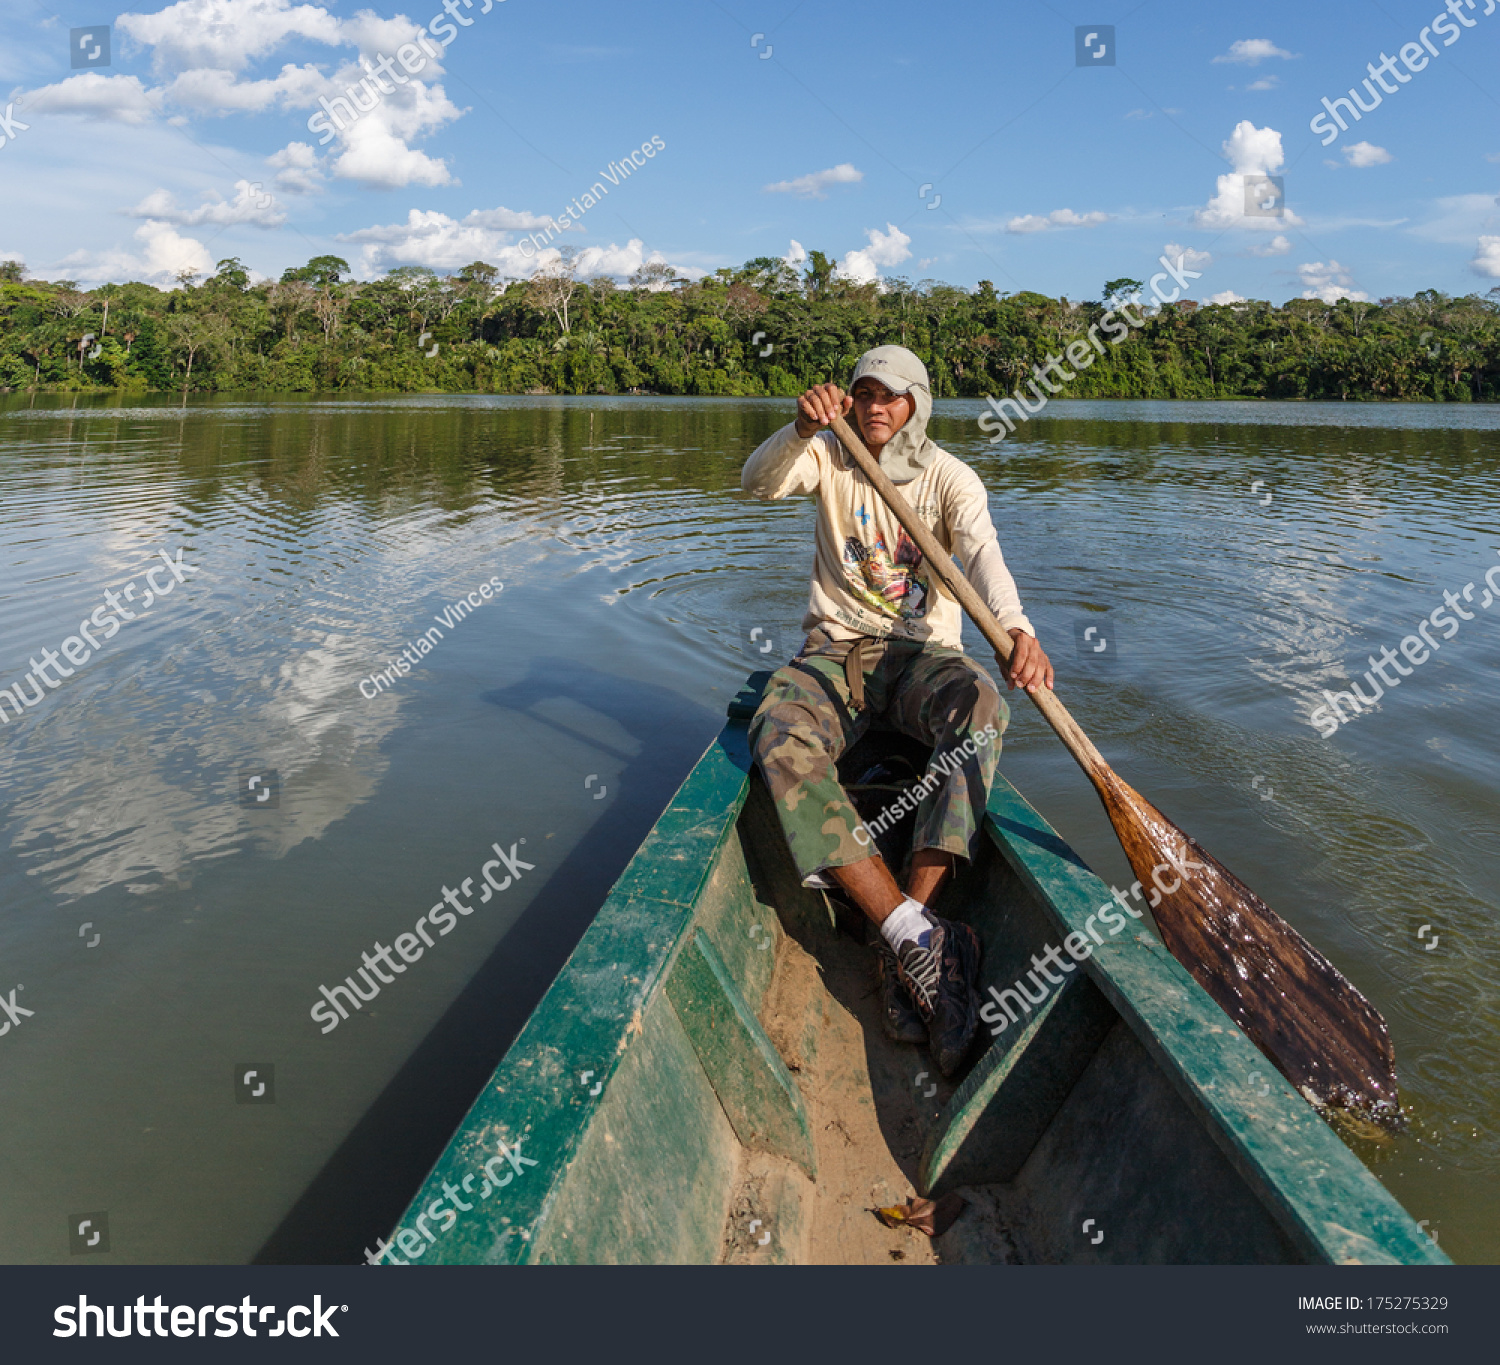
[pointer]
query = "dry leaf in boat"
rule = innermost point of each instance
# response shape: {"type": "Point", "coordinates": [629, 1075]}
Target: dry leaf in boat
{"type": "Point", "coordinates": [932, 1216]}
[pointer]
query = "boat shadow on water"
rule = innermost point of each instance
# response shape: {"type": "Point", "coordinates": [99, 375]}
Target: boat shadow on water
{"type": "Point", "coordinates": [365, 1184]}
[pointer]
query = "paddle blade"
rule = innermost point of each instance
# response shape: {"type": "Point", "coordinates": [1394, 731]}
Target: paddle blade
{"type": "Point", "coordinates": [1294, 1004]}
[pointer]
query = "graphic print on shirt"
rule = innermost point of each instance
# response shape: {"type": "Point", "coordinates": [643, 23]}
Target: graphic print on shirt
{"type": "Point", "coordinates": [889, 585]}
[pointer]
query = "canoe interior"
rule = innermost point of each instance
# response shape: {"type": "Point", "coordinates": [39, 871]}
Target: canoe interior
{"type": "Point", "coordinates": [707, 1081]}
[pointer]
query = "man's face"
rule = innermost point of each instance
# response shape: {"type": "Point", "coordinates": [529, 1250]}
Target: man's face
{"type": "Point", "coordinates": [881, 413]}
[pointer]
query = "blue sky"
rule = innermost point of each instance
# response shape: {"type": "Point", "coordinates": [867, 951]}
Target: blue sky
{"type": "Point", "coordinates": [193, 143]}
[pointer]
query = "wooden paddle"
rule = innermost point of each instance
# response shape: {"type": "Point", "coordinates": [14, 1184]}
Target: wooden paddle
{"type": "Point", "coordinates": [1318, 1031]}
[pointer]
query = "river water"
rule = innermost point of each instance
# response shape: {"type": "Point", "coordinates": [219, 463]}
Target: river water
{"type": "Point", "coordinates": [168, 922]}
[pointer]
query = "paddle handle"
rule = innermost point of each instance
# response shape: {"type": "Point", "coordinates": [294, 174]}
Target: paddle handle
{"type": "Point", "coordinates": [1056, 714]}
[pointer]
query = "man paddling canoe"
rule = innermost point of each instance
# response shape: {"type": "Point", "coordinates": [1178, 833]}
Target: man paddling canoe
{"type": "Point", "coordinates": [884, 641]}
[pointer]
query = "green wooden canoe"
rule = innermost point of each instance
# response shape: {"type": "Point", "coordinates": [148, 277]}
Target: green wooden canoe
{"type": "Point", "coordinates": [706, 1081]}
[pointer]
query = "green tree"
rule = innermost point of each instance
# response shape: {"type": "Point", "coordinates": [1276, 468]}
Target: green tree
{"type": "Point", "coordinates": [316, 329]}
{"type": "Point", "coordinates": [322, 272]}
{"type": "Point", "coordinates": [231, 274]}
{"type": "Point", "coordinates": [819, 272]}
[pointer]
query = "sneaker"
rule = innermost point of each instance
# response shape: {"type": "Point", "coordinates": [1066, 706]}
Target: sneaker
{"type": "Point", "coordinates": [940, 977]}
{"type": "Point", "coordinates": [898, 1016]}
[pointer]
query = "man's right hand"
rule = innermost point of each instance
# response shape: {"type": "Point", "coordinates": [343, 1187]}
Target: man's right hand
{"type": "Point", "coordinates": [819, 406]}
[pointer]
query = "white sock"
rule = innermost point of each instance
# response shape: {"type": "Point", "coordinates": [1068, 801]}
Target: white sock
{"type": "Point", "coordinates": [906, 922]}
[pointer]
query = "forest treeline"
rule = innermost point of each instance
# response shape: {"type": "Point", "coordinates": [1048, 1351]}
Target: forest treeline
{"type": "Point", "coordinates": [761, 329]}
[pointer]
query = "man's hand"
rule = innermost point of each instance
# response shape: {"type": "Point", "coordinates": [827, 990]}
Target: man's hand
{"type": "Point", "coordinates": [1029, 666]}
{"type": "Point", "coordinates": [819, 406]}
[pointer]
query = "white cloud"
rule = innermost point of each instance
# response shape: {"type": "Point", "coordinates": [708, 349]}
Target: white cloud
{"type": "Point", "coordinates": [1265, 83]}
{"type": "Point", "coordinates": [374, 35]}
{"type": "Point", "coordinates": [1058, 218]}
{"type": "Point", "coordinates": [1225, 296]}
{"type": "Point", "coordinates": [297, 170]}
{"type": "Point", "coordinates": [1492, 156]}
{"type": "Point", "coordinates": [1277, 246]}
{"type": "Point", "coordinates": [890, 247]}
{"type": "Point", "coordinates": [215, 91]}
{"type": "Point", "coordinates": [226, 33]}
{"type": "Point", "coordinates": [435, 240]}
{"type": "Point", "coordinates": [508, 220]}
{"type": "Point", "coordinates": [1487, 258]}
{"type": "Point", "coordinates": [377, 156]}
{"type": "Point", "coordinates": [1330, 282]}
{"type": "Point", "coordinates": [120, 99]}
{"type": "Point", "coordinates": [815, 185]}
{"type": "Point", "coordinates": [796, 253]}
{"type": "Point", "coordinates": [372, 146]}
{"type": "Point", "coordinates": [1191, 259]}
{"type": "Point", "coordinates": [1362, 154]}
{"type": "Point", "coordinates": [1252, 52]}
{"type": "Point", "coordinates": [374, 149]}
{"type": "Point", "coordinates": [251, 204]}
{"type": "Point", "coordinates": [201, 49]}
{"type": "Point", "coordinates": [623, 261]}
{"type": "Point", "coordinates": [886, 248]}
{"type": "Point", "coordinates": [439, 242]}
{"type": "Point", "coordinates": [1251, 151]}
{"type": "Point", "coordinates": [165, 253]}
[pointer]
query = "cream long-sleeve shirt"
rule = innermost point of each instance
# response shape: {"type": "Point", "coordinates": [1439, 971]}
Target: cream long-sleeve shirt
{"type": "Point", "coordinates": [869, 578]}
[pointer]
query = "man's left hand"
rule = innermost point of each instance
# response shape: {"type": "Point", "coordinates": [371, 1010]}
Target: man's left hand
{"type": "Point", "coordinates": [1029, 665]}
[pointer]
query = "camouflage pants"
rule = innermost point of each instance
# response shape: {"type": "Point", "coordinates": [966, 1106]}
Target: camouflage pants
{"type": "Point", "coordinates": [805, 721]}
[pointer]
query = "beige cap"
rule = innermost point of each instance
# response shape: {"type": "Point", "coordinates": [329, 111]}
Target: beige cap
{"type": "Point", "coordinates": [894, 366]}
